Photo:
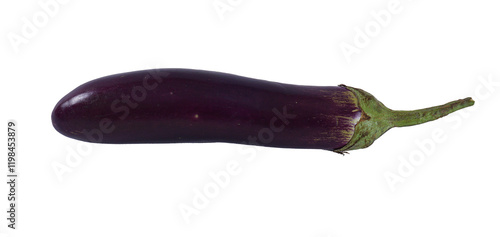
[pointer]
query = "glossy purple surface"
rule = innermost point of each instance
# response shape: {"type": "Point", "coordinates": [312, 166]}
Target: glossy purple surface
{"type": "Point", "coordinates": [183, 105]}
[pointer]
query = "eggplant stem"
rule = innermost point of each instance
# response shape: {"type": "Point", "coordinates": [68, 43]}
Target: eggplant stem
{"type": "Point", "coordinates": [402, 118]}
{"type": "Point", "coordinates": [376, 118]}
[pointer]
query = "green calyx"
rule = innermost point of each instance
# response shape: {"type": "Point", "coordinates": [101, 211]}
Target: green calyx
{"type": "Point", "coordinates": [376, 118]}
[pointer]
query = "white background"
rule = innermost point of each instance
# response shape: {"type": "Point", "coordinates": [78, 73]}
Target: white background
{"type": "Point", "coordinates": [427, 53]}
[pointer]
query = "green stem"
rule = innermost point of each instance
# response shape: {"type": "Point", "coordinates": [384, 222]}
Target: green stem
{"type": "Point", "coordinates": [409, 118]}
{"type": "Point", "coordinates": [377, 118]}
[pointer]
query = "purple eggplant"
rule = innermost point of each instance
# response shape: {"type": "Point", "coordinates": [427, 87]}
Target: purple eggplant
{"type": "Point", "coordinates": [192, 106]}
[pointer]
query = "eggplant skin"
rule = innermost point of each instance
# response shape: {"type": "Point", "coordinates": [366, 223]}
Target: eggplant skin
{"type": "Point", "coordinates": [191, 106]}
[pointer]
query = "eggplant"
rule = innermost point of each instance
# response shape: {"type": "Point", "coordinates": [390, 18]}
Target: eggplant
{"type": "Point", "coordinates": [193, 106]}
